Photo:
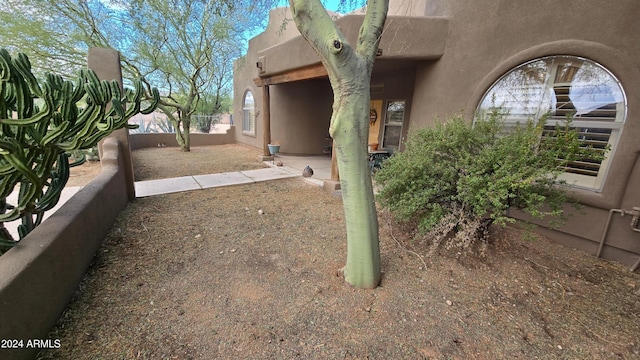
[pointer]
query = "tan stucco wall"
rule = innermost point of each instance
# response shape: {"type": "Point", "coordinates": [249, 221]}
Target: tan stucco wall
{"type": "Point", "coordinates": [488, 37]}
{"type": "Point", "coordinates": [106, 64]}
{"type": "Point", "coordinates": [41, 273]}
{"type": "Point", "coordinates": [243, 82]}
{"type": "Point", "coordinates": [147, 140]}
{"type": "Point", "coordinates": [458, 48]}
{"type": "Point", "coordinates": [300, 122]}
{"type": "Point", "coordinates": [278, 30]}
{"type": "Point", "coordinates": [491, 37]}
{"type": "Point", "coordinates": [417, 38]}
{"type": "Point", "coordinates": [279, 51]}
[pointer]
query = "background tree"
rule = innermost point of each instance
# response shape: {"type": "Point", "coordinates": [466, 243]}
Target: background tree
{"type": "Point", "coordinates": [54, 42]}
{"type": "Point", "coordinates": [189, 52]}
{"type": "Point", "coordinates": [210, 109]}
{"type": "Point", "coordinates": [183, 47]}
{"type": "Point", "coordinates": [349, 72]}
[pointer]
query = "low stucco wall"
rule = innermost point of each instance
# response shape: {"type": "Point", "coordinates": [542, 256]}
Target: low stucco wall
{"type": "Point", "coordinates": [584, 230]}
{"type": "Point", "coordinates": [147, 140]}
{"type": "Point", "coordinates": [40, 275]}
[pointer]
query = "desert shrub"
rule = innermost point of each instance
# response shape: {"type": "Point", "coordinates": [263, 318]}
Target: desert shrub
{"type": "Point", "coordinates": [166, 126]}
{"type": "Point", "coordinates": [204, 123]}
{"type": "Point", "coordinates": [456, 179]}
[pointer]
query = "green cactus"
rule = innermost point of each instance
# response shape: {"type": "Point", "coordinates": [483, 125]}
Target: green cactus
{"type": "Point", "coordinates": [40, 122]}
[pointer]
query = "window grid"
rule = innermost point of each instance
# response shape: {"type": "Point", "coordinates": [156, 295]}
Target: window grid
{"type": "Point", "coordinates": [248, 114]}
{"type": "Point", "coordinates": [566, 87]}
{"type": "Point", "coordinates": [394, 118]}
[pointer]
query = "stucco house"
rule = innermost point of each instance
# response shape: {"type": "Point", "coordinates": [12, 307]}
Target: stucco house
{"type": "Point", "coordinates": [439, 57]}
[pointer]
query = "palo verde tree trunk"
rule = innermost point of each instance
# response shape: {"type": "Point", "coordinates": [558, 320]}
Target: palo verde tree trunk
{"type": "Point", "coordinates": [349, 72]}
{"type": "Point", "coordinates": [184, 139]}
{"type": "Point", "coordinates": [181, 124]}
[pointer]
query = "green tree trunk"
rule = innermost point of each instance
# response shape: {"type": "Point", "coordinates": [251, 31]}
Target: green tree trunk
{"type": "Point", "coordinates": [349, 71]}
{"type": "Point", "coordinates": [363, 255]}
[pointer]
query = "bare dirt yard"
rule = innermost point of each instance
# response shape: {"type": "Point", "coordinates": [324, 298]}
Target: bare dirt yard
{"type": "Point", "coordinates": [249, 272]}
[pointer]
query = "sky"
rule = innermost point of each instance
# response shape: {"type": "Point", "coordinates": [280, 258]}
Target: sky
{"type": "Point", "coordinates": [330, 5]}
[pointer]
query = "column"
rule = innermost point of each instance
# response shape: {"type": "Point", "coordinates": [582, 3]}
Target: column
{"type": "Point", "coordinates": [266, 120]}
{"type": "Point", "coordinates": [106, 64]}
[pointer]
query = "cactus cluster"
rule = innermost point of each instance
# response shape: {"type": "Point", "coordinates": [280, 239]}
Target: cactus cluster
{"type": "Point", "coordinates": [40, 123]}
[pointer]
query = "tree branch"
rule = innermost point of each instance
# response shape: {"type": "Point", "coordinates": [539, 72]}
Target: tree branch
{"type": "Point", "coordinates": [317, 27]}
{"type": "Point", "coordinates": [371, 29]}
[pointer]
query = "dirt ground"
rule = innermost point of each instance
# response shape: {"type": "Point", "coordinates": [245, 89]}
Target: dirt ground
{"type": "Point", "coordinates": [249, 272]}
{"type": "Point", "coordinates": [82, 174]}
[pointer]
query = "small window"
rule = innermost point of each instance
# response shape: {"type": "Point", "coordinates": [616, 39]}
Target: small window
{"type": "Point", "coordinates": [393, 124]}
{"type": "Point", "coordinates": [562, 87]}
{"type": "Point", "coordinates": [248, 114]}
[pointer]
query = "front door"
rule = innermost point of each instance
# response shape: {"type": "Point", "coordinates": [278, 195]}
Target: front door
{"type": "Point", "coordinates": [375, 116]}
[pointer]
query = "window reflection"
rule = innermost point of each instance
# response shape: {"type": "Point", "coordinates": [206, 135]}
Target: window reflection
{"type": "Point", "coordinates": [393, 124]}
{"type": "Point", "coordinates": [565, 87]}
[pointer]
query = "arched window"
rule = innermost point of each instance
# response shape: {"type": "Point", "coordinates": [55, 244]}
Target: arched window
{"type": "Point", "coordinates": [561, 87]}
{"type": "Point", "coordinates": [248, 114]}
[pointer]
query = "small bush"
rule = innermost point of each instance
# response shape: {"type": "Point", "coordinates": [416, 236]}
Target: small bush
{"type": "Point", "coordinates": [457, 179]}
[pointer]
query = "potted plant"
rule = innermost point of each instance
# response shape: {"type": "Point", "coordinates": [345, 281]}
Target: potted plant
{"type": "Point", "coordinates": [274, 148]}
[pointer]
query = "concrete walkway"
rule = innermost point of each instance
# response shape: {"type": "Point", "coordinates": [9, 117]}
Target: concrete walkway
{"type": "Point", "coordinates": [292, 166]}
{"type": "Point", "coordinates": [198, 182]}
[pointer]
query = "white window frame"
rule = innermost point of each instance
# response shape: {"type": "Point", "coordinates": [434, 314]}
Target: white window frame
{"type": "Point", "coordinates": [547, 91]}
{"type": "Point", "coordinates": [248, 114]}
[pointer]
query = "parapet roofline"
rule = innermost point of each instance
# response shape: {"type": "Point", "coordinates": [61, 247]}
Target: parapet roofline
{"type": "Point", "coordinates": [403, 38]}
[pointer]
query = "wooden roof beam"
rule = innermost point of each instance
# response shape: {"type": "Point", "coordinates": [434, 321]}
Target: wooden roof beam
{"type": "Point", "coordinates": [306, 73]}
